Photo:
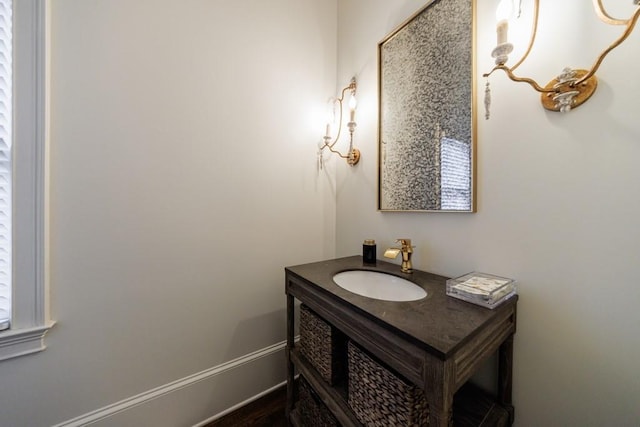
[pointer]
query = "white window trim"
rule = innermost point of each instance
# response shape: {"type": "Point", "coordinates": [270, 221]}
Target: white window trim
{"type": "Point", "coordinates": [30, 321]}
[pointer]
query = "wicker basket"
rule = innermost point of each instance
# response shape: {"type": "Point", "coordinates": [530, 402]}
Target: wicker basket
{"type": "Point", "coordinates": [312, 411]}
{"type": "Point", "coordinates": [379, 397]}
{"type": "Point", "coordinates": [323, 346]}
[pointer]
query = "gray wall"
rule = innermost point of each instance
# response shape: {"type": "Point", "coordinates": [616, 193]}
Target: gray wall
{"type": "Point", "coordinates": [182, 183]}
{"type": "Point", "coordinates": [557, 208]}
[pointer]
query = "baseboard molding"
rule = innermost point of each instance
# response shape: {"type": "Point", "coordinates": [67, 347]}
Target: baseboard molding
{"type": "Point", "coordinates": [120, 408]}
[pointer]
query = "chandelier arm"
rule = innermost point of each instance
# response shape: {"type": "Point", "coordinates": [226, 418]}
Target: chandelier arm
{"type": "Point", "coordinates": [534, 31]}
{"type": "Point", "coordinates": [605, 17]}
{"type": "Point", "coordinates": [330, 146]}
{"type": "Point", "coordinates": [326, 142]}
{"type": "Point", "coordinates": [630, 25]}
{"type": "Point", "coordinates": [515, 78]}
{"type": "Point", "coordinates": [340, 100]}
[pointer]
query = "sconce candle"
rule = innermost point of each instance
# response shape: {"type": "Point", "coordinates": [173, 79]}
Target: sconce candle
{"type": "Point", "coordinates": [352, 108]}
{"type": "Point", "coordinates": [503, 15]}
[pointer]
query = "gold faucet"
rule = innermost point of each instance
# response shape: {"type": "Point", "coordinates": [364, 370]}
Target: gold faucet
{"type": "Point", "coordinates": [407, 250]}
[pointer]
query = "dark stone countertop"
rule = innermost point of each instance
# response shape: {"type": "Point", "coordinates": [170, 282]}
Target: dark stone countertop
{"type": "Point", "coordinates": [439, 323]}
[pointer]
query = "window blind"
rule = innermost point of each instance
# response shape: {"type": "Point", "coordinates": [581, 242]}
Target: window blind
{"type": "Point", "coordinates": [455, 161]}
{"type": "Point", "coordinates": [5, 161]}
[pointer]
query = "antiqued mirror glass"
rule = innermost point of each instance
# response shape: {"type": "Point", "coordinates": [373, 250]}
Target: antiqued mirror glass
{"type": "Point", "coordinates": [427, 112]}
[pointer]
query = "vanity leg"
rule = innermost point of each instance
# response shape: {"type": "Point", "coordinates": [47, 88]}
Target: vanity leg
{"type": "Point", "coordinates": [440, 418]}
{"type": "Point", "coordinates": [505, 377]}
{"type": "Point", "coordinates": [290, 366]}
{"type": "Point", "coordinates": [438, 386]}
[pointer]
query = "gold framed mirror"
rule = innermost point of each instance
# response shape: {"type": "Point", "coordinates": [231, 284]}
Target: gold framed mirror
{"type": "Point", "coordinates": [427, 113]}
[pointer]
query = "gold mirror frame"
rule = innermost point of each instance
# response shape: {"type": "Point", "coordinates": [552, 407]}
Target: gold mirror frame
{"type": "Point", "coordinates": [427, 111]}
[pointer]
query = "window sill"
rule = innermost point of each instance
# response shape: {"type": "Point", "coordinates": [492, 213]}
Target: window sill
{"type": "Point", "coordinates": [20, 342]}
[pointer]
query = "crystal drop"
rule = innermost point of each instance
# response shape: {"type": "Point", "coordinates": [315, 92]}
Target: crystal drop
{"type": "Point", "coordinates": [487, 101]}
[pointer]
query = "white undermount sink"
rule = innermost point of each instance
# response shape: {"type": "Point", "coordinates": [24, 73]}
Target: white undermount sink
{"type": "Point", "coordinates": [381, 286]}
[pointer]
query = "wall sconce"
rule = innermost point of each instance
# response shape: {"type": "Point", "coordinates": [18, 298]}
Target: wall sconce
{"type": "Point", "coordinates": [572, 87]}
{"type": "Point", "coordinates": [353, 155]}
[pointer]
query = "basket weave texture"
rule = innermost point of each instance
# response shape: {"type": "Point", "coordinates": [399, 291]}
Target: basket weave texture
{"type": "Point", "coordinates": [380, 398]}
{"type": "Point", "coordinates": [322, 345]}
{"type": "Point", "coordinates": [313, 413]}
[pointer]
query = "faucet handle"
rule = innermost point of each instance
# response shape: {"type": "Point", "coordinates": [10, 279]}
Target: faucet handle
{"type": "Point", "coordinates": [406, 243]}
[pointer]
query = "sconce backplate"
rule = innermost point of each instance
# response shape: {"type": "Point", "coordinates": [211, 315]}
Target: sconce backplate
{"type": "Point", "coordinates": [584, 89]}
{"type": "Point", "coordinates": [354, 157]}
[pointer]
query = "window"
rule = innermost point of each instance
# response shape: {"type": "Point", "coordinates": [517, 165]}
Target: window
{"type": "Point", "coordinates": [24, 139]}
{"type": "Point", "coordinates": [5, 162]}
{"type": "Point", "coordinates": [455, 180]}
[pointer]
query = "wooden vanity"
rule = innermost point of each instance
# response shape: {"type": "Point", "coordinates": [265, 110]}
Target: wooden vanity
{"type": "Point", "coordinates": [437, 343]}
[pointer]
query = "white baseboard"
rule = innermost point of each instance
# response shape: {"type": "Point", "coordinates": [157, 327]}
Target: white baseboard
{"type": "Point", "coordinates": [131, 411]}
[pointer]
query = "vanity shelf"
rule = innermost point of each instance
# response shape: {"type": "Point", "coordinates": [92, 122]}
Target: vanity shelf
{"type": "Point", "coordinates": [436, 343]}
{"type": "Point", "coordinates": [333, 397]}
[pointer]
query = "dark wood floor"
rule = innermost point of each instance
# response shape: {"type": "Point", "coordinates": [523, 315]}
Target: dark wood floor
{"type": "Point", "coordinates": [472, 407]}
{"type": "Point", "coordinates": [268, 411]}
